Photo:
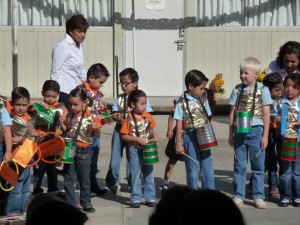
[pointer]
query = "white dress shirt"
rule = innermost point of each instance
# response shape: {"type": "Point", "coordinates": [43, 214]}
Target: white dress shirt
{"type": "Point", "coordinates": [67, 64]}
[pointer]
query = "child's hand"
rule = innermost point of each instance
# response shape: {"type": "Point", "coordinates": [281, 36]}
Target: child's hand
{"type": "Point", "coordinates": [16, 139]}
{"type": "Point", "coordinates": [275, 119]}
{"type": "Point", "coordinates": [94, 126]}
{"type": "Point", "coordinates": [62, 118]}
{"type": "Point", "coordinates": [179, 148]}
{"type": "Point", "coordinates": [169, 134]}
{"type": "Point", "coordinates": [44, 105]}
{"type": "Point", "coordinates": [297, 124]}
{"type": "Point", "coordinates": [140, 140]}
{"type": "Point", "coordinates": [117, 117]}
{"type": "Point", "coordinates": [230, 141]}
{"type": "Point", "coordinates": [7, 157]}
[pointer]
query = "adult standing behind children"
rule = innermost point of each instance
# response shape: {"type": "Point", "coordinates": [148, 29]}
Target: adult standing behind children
{"type": "Point", "coordinates": [67, 66]}
{"type": "Point", "coordinates": [252, 101]}
{"type": "Point", "coordinates": [129, 81]}
{"type": "Point", "coordinates": [287, 61]}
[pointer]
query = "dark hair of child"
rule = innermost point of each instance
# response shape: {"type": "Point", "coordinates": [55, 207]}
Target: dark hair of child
{"type": "Point", "coordinates": [295, 77]}
{"type": "Point", "coordinates": [51, 85]}
{"type": "Point", "coordinates": [195, 78]}
{"type": "Point", "coordinates": [135, 96]}
{"type": "Point", "coordinates": [79, 92]}
{"type": "Point", "coordinates": [132, 73]}
{"type": "Point", "coordinates": [271, 80]}
{"type": "Point", "coordinates": [77, 21]}
{"type": "Point", "coordinates": [97, 70]}
{"type": "Point", "coordinates": [290, 47]}
{"type": "Point", "coordinates": [18, 93]}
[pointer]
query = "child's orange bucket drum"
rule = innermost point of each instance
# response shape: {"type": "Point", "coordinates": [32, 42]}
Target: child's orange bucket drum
{"type": "Point", "coordinates": [289, 148]}
{"type": "Point", "coordinates": [24, 153]}
{"type": "Point", "coordinates": [52, 144]}
{"type": "Point", "coordinates": [9, 175]}
{"type": "Point", "coordinates": [206, 137]}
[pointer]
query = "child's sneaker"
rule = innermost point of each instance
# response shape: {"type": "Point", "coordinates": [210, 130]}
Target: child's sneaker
{"type": "Point", "coordinates": [274, 193]}
{"type": "Point", "coordinates": [238, 201]}
{"type": "Point", "coordinates": [259, 203]}
{"type": "Point", "coordinates": [164, 189]}
{"type": "Point", "coordinates": [284, 203]}
{"type": "Point", "coordinates": [296, 202]}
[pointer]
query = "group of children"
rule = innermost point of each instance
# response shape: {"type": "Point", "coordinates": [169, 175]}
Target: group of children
{"type": "Point", "coordinates": [273, 108]}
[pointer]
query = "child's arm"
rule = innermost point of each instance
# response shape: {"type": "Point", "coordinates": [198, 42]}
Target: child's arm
{"type": "Point", "coordinates": [8, 143]}
{"type": "Point", "coordinates": [231, 122]}
{"type": "Point", "coordinates": [154, 135]}
{"type": "Point", "coordinates": [179, 141]}
{"type": "Point", "coordinates": [266, 120]}
{"type": "Point", "coordinates": [96, 128]}
{"type": "Point", "coordinates": [170, 127]}
{"type": "Point", "coordinates": [129, 138]}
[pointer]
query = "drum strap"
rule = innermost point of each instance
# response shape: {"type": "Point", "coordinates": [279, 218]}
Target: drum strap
{"type": "Point", "coordinates": [124, 105]}
{"type": "Point", "coordinates": [283, 119]}
{"type": "Point", "coordinates": [135, 125]}
{"type": "Point", "coordinates": [253, 101]}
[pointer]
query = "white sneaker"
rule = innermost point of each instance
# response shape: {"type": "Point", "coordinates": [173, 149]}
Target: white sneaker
{"type": "Point", "coordinates": [238, 201]}
{"type": "Point", "coordinates": [259, 203]}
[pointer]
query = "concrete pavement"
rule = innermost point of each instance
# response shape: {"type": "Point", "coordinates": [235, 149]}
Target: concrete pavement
{"type": "Point", "coordinates": [115, 209]}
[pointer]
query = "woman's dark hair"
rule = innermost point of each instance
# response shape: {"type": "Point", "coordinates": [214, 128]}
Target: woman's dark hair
{"type": "Point", "coordinates": [217, 207]}
{"type": "Point", "coordinates": [271, 80]}
{"type": "Point", "coordinates": [195, 78]}
{"type": "Point", "coordinates": [295, 77]}
{"type": "Point", "coordinates": [168, 208]}
{"type": "Point", "coordinates": [18, 93]}
{"type": "Point", "coordinates": [97, 70]}
{"type": "Point", "coordinates": [290, 47]}
{"type": "Point", "coordinates": [51, 85]}
{"type": "Point", "coordinates": [77, 21]}
{"type": "Point", "coordinates": [135, 95]}
{"type": "Point", "coordinates": [132, 73]}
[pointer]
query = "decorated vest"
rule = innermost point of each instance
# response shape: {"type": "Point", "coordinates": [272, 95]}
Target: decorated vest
{"type": "Point", "coordinates": [197, 113]}
{"type": "Point", "coordinates": [96, 100]}
{"type": "Point", "coordinates": [40, 121]}
{"type": "Point", "coordinates": [292, 113]}
{"type": "Point", "coordinates": [20, 127]}
{"type": "Point", "coordinates": [85, 133]}
{"type": "Point", "coordinates": [122, 104]}
{"type": "Point", "coordinates": [245, 101]}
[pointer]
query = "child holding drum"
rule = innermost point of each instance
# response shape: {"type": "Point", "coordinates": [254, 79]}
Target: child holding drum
{"type": "Point", "coordinates": [21, 128]}
{"type": "Point", "coordinates": [192, 113]}
{"type": "Point", "coordinates": [96, 76]}
{"type": "Point", "coordinates": [288, 146]}
{"type": "Point", "coordinates": [128, 81]}
{"type": "Point", "coordinates": [138, 131]}
{"type": "Point", "coordinates": [50, 93]}
{"type": "Point", "coordinates": [249, 122]}
{"type": "Point", "coordinates": [80, 126]}
{"type": "Point", "coordinates": [5, 132]}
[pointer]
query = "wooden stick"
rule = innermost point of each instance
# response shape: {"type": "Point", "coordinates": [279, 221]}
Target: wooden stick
{"type": "Point", "coordinates": [191, 158]}
{"type": "Point", "coordinates": [259, 152]}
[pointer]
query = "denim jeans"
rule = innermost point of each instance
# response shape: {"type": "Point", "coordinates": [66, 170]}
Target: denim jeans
{"type": "Point", "coordinates": [271, 161]}
{"type": "Point", "coordinates": [39, 172]}
{"type": "Point", "coordinates": [113, 173]}
{"type": "Point", "coordinates": [19, 195]}
{"type": "Point", "coordinates": [245, 144]}
{"type": "Point", "coordinates": [138, 171]}
{"type": "Point", "coordinates": [80, 169]}
{"type": "Point", "coordinates": [94, 150]}
{"type": "Point", "coordinates": [290, 178]}
{"type": "Point", "coordinates": [204, 158]}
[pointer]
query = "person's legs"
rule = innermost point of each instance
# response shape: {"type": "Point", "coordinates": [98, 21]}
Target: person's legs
{"type": "Point", "coordinates": [135, 167]}
{"type": "Point", "coordinates": [296, 180]}
{"type": "Point", "coordinates": [168, 172]}
{"type": "Point", "coordinates": [285, 177]}
{"type": "Point", "coordinates": [149, 185]}
{"type": "Point", "coordinates": [51, 177]}
{"type": "Point", "coordinates": [38, 175]}
{"type": "Point", "coordinates": [69, 183]}
{"type": "Point", "coordinates": [208, 180]}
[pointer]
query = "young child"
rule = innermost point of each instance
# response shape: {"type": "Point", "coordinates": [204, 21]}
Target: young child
{"type": "Point", "coordinates": [274, 82]}
{"type": "Point", "coordinates": [287, 61]}
{"type": "Point", "coordinates": [50, 93]}
{"type": "Point", "coordinates": [253, 98]}
{"type": "Point", "coordinates": [81, 125]}
{"type": "Point", "coordinates": [96, 76]}
{"type": "Point", "coordinates": [5, 132]}
{"type": "Point", "coordinates": [192, 112]}
{"type": "Point", "coordinates": [288, 109]}
{"type": "Point", "coordinates": [138, 129]}
{"type": "Point", "coordinates": [21, 128]}
{"type": "Point", "coordinates": [129, 81]}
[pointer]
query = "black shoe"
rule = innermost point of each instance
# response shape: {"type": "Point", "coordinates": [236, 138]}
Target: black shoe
{"type": "Point", "coordinates": [89, 209]}
{"type": "Point", "coordinates": [99, 192]}
{"type": "Point", "coordinates": [150, 204]}
{"type": "Point", "coordinates": [284, 203]}
{"type": "Point", "coordinates": [93, 194]}
{"type": "Point", "coordinates": [114, 189]}
{"type": "Point", "coordinates": [37, 191]}
{"type": "Point", "coordinates": [296, 203]}
{"type": "Point", "coordinates": [135, 205]}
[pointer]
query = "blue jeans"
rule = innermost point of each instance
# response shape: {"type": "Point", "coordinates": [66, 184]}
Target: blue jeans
{"type": "Point", "coordinates": [19, 195]}
{"type": "Point", "coordinates": [94, 150]}
{"type": "Point", "coordinates": [192, 149]}
{"type": "Point", "coordinates": [138, 170]}
{"type": "Point", "coordinates": [290, 178]}
{"type": "Point", "coordinates": [80, 169]}
{"type": "Point", "coordinates": [245, 144]}
{"type": "Point", "coordinates": [113, 173]}
{"type": "Point", "coordinates": [271, 161]}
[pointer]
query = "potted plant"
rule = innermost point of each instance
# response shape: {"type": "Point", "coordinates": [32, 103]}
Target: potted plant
{"type": "Point", "coordinates": [217, 86]}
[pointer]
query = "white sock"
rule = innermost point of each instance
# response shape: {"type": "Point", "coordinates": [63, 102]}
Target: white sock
{"type": "Point", "coordinates": [166, 183]}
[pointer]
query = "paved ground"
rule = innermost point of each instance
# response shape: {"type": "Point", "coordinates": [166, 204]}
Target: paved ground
{"type": "Point", "coordinates": [115, 210]}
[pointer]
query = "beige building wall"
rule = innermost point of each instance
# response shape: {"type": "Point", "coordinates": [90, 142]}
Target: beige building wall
{"type": "Point", "coordinates": [34, 55]}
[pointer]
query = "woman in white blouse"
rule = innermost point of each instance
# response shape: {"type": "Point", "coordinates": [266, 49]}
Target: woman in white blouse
{"type": "Point", "coordinates": [67, 66]}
